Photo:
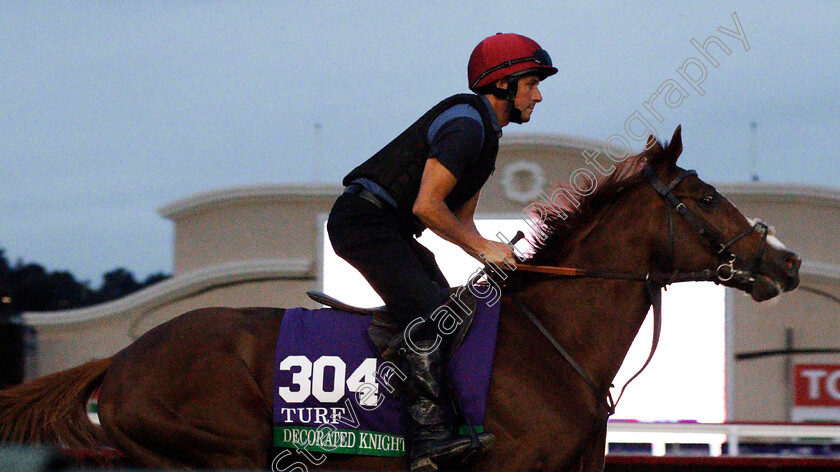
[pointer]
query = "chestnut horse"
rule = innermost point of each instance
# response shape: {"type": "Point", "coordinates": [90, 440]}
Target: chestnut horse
{"type": "Point", "coordinates": [197, 391]}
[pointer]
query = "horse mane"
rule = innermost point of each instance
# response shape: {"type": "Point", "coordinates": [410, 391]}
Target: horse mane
{"type": "Point", "coordinates": [556, 232]}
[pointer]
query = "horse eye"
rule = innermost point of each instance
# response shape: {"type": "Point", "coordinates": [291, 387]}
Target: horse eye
{"type": "Point", "coordinates": [708, 200]}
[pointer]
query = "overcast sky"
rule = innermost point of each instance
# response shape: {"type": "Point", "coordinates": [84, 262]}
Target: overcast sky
{"type": "Point", "coordinates": [113, 109]}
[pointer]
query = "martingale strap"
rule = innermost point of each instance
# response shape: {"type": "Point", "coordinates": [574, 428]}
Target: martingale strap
{"type": "Point", "coordinates": [655, 294]}
{"type": "Point", "coordinates": [565, 354]}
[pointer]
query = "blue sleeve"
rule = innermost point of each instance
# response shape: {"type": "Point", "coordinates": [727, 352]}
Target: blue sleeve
{"type": "Point", "coordinates": [456, 137]}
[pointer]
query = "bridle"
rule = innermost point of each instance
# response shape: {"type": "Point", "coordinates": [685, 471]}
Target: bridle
{"type": "Point", "coordinates": [655, 281]}
{"type": "Point", "coordinates": [726, 270]}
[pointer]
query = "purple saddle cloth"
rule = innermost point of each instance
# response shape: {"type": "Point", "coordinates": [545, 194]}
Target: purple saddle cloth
{"type": "Point", "coordinates": [332, 392]}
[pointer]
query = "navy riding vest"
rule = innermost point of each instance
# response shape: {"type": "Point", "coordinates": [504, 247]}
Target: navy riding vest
{"type": "Point", "coordinates": [398, 167]}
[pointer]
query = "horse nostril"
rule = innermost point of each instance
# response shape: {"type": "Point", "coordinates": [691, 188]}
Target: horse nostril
{"type": "Point", "coordinates": [792, 262]}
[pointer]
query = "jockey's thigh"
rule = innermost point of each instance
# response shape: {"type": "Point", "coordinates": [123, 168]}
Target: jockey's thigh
{"type": "Point", "coordinates": [401, 271]}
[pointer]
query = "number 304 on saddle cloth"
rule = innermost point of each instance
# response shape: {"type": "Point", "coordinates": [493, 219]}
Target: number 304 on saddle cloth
{"type": "Point", "coordinates": [334, 394]}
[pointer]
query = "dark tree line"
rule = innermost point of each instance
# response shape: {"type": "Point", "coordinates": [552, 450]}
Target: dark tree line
{"type": "Point", "coordinates": [27, 286]}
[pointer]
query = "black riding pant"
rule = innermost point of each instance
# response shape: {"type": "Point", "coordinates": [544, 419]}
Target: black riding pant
{"type": "Point", "coordinates": [376, 242]}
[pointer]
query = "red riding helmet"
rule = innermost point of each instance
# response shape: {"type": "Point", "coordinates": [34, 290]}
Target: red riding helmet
{"type": "Point", "coordinates": [502, 55]}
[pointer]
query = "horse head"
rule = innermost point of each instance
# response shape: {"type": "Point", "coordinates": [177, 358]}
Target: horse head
{"type": "Point", "coordinates": [601, 251]}
{"type": "Point", "coordinates": [704, 230]}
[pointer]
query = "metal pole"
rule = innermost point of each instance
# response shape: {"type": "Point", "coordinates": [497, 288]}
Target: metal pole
{"type": "Point", "coordinates": [317, 152]}
{"type": "Point", "coordinates": [789, 345]}
{"type": "Point", "coordinates": [753, 156]}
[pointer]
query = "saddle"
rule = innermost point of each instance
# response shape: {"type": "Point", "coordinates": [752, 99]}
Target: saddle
{"type": "Point", "coordinates": [386, 334]}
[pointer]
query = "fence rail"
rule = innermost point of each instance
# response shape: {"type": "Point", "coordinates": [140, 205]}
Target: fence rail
{"type": "Point", "coordinates": [658, 435]}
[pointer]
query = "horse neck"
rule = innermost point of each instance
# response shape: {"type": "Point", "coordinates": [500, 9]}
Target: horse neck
{"type": "Point", "coordinates": [595, 319]}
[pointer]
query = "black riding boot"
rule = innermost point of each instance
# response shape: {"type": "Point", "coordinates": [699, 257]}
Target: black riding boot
{"type": "Point", "coordinates": [431, 438]}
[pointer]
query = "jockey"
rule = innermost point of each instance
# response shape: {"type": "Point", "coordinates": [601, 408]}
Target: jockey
{"type": "Point", "coordinates": [430, 177]}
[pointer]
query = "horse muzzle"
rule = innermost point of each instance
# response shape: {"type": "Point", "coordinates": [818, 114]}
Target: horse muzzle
{"type": "Point", "coordinates": [777, 273]}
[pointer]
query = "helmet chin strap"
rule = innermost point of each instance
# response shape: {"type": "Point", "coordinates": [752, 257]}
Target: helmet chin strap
{"type": "Point", "coordinates": [509, 94]}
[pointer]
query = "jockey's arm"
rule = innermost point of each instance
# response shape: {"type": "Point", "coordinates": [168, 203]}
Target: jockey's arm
{"type": "Point", "coordinates": [466, 214]}
{"type": "Point", "coordinates": [431, 209]}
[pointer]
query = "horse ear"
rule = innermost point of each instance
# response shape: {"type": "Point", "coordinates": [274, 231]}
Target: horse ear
{"type": "Point", "coordinates": [652, 144]}
{"type": "Point", "coordinates": [675, 146]}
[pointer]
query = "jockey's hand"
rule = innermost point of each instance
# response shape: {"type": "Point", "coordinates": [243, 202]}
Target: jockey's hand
{"type": "Point", "coordinates": [498, 253]}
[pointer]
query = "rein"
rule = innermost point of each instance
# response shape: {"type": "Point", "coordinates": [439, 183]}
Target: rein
{"type": "Point", "coordinates": [658, 278]}
{"type": "Point", "coordinates": [654, 281]}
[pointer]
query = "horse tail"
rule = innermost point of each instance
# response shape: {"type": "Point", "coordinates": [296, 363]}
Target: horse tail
{"type": "Point", "coordinates": [52, 409]}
